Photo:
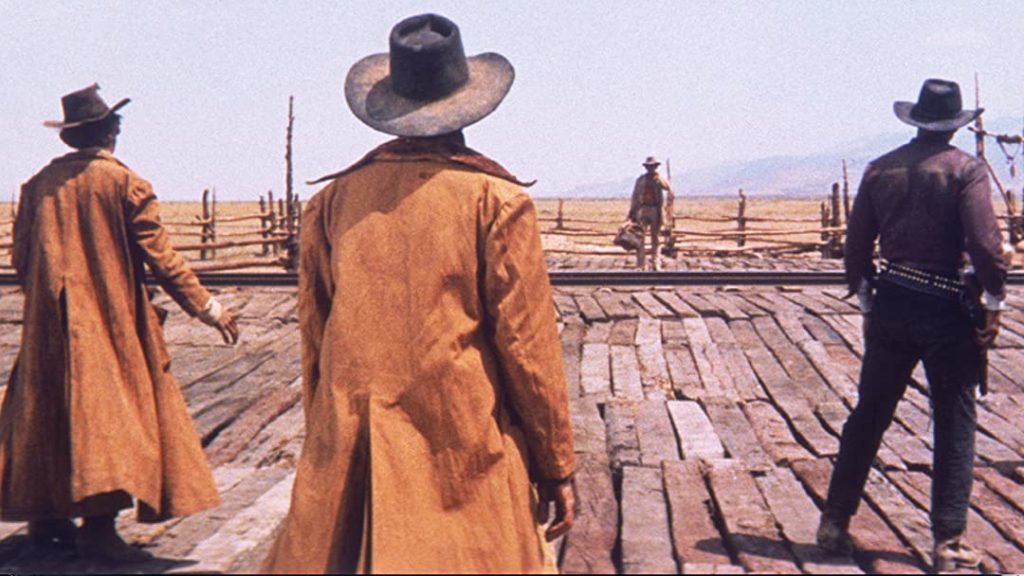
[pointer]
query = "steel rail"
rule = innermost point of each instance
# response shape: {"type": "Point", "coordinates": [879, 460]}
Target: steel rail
{"type": "Point", "coordinates": [583, 278]}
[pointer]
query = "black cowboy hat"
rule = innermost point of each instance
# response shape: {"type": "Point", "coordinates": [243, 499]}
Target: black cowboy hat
{"type": "Point", "coordinates": [426, 86]}
{"type": "Point", "coordinates": [84, 106]}
{"type": "Point", "coordinates": [939, 108]}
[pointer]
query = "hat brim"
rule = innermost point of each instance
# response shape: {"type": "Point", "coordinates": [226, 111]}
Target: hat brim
{"type": "Point", "coordinates": [62, 125]}
{"type": "Point", "coordinates": [965, 117]}
{"type": "Point", "coordinates": [652, 163]}
{"type": "Point", "coordinates": [369, 95]}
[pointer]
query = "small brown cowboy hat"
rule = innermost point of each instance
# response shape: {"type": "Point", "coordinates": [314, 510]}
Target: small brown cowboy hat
{"type": "Point", "coordinates": [939, 108]}
{"type": "Point", "coordinates": [84, 106]}
{"type": "Point", "coordinates": [426, 86]}
{"type": "Point", "coordinates": [651, 161]}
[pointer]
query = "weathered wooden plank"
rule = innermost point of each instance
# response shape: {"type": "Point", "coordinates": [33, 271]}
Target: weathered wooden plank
{"type": "Point", "coordinates": [588, 428]}
{"type": "Point", "coordinates": [741, 375]}
{"type": "Point", "coordinates": [646, 541]}
{"type": "Point", "coordinates": [750, 527]}
{"type": "Point", "coordinates": [654, 430]}
{"type": "Point", "coordinates": [1011, 491]}
{"type": "Point", "coordinates": [615, 305]}
{"type": "Point", "coordinates": [697, 437]}
{"type": "Point", "coordinates": [1001, 515]}
{"type": "Point", "coordinates": [713, 374]}
{"type": "Point", "coordinates": [598, 332]}
{"type": "Point", "coordinates": [678, 306]}
{"type": "Point", "coordinates": [595, 371]}
{"type": "Point", "coordinates": [726, 303]}
{"type": "Point", "coordinates": [565, 305]}
{"type": "Point", "coordinates": [736, 434]}
{"type": "Point", "coordinates": [653, 370]}
{"type": "Point", "coordinates": [673, 333]}
{"type": "Point", "coordinates": [876, 544]}
{"type": "Point", "coordinates": [694, 535]}
{"type": "Point", "coordinates": [626, 381]}
{"type": "Point", "coordinates": [278, 444]}
{"type": "Point", "coordinates": [909, 521]}
{"type": "Point", "coordinates": [589, 309]}
{"type": "Point", "coordinates": [588, 547]}
{"type": "Point", "coordinates": [572, 353]}
{"type": "Point", "coordinates": [652, 305]}
{"type": "Point", "coordinates": [251, 529]}
{"type": "Point", "coordinates": [229, 443]}
{"type": "Point", "coordinates": [698, 303]}
{"type": "Point", "coordinates": [623, 332]}
{"type": "Point", "coordinates": [620, 430]}
{"type": "Point", "coordinates": [683, 372]}
{"type": "Point", "coordinates": [772, 432]}
{"type": "Point", "coordinates": [792, 509]}
{"type": "Point", "coordinates": [998, 555]}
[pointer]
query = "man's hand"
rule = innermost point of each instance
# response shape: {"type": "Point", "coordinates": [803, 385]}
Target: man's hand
{"type": "Point", "coordinates": [228, 327]}
{"type": "Point", "coordinates": [985, 336]}
{"type": "Point", "coordinates": [563, 495]}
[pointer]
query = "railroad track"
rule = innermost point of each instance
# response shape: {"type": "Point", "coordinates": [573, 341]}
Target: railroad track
{"type": "Point", "coordinates": [587, 278]}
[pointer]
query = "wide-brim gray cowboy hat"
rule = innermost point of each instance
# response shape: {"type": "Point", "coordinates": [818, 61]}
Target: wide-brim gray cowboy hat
{"type": "Point", "coordinates": [939, 108]}
{"type": "Point", "coordinates": [651, 161]}
{"type": "Point", "coordinates": [84, 106]}
{"type": "Point", "coordinates": [425, 85]}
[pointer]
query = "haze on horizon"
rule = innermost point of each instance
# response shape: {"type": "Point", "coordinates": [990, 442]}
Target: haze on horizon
{"type": "Point", "coordinates": [600, 85]}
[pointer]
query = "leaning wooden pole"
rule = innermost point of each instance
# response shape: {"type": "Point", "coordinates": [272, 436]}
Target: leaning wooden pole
{"type": "Point", "coordinates": [741, 220]}
{"type": "Point", "coordinates": [205, 230]}
{"type": "Point", "coordinates": [979, 125]}
{"type": "Point", "coordinates": [846, 193]}
{"type": "Point", "coordinates": [293, 244]}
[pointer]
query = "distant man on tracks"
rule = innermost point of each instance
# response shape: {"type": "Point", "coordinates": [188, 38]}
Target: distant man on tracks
{"type": "Point", "coordinates": [645, 209]}
{"type": "Point", "coordinates": [434, 390]}
{"type": "Point", "coordinates": [92, 418]}
{"type": "Point", "coordinates": [927, 203]}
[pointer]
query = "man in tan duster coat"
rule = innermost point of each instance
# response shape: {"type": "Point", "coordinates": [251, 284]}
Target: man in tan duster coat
{"type": "Point", "coordinates": [433, 377]}
{"type": "Point", "coordinates": [92, 416]}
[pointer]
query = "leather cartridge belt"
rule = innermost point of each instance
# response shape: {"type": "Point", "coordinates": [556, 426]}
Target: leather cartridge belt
{"type": "Point", "coordinates": [941, 285]}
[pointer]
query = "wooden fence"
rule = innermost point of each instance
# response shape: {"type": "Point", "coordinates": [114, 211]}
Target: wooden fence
{"type": "Point", "coordinates": [693, 234]}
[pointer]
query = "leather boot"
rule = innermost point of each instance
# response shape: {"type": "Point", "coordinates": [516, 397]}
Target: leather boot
{"type": "Point", "coordinates": [834, 536]}
{"type": "Point", "coordinates": [952, 554]}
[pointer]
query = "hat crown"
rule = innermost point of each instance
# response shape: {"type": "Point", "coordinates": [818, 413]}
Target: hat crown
{"type": "Point", "coordinates": [427, 59]}
{"type": "Point", "coordinates": [938, 100]}
{"type": "Point", "coordinates": [83, 104]}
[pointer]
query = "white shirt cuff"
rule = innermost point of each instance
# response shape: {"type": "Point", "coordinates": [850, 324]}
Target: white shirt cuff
{"type": "Point", "coordinates": [211, 313]}
{"type": "Point", "coordinates": [993, 303]}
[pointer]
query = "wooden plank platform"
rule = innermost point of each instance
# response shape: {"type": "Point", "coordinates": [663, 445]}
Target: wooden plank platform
{"type": "Point", "coordinates": [706, 422]}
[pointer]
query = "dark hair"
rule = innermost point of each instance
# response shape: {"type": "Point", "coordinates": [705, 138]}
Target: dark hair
{"type": "Point", "coordinates": [99, 133]}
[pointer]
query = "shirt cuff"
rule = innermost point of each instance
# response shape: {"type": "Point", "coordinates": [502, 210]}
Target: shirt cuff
{"type": "Point", "coordinates": [211, 313]}
{"type": "Point", "coordinates": [865, 298]}
{"type": "Point", "coordinates": [993, 303]}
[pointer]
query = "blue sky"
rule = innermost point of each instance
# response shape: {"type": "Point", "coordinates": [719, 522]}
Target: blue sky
{"type": "Point", "coordinates": [600, 85]}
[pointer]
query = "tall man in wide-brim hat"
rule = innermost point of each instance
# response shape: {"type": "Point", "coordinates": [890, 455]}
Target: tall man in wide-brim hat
{"type": "Point", "coordinates": [927, 203]}
{"type": "Point", "coordinates": [435, 399]}
{"type": "Point", "coordinates": [645, 209]}
{"type": "Point", "coordinates": [92, 418]}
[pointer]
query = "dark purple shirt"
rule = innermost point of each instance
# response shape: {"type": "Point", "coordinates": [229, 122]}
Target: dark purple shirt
{"type": "Point", "coordinates": [927, 202]}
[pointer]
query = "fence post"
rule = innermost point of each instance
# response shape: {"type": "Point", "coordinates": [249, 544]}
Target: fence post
{"type": "Point", "coordinates": [846, 193]}
{"type": "Point", "coordinates": [263, 224]}
{"type": "Point", "coordinates": [205, 230]}
{"type": "Point", "coordinates": [741, 220]}
{"type": "Point", "coordinates": [835, 244]}
{"type": "Point", "coordinates": [824, 224]}
{"type": "Point", "coordinates": [1013, 222]}
{"type": "Point", "coordinates": [559, 224]}
{"type": "Point", "coordinates": [213, 223]}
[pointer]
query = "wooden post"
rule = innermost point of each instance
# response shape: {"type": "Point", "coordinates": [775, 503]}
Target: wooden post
{"type": "Point", "coordinates": [264, 224]}
{"type": "Point", "coordinates": [1013, 222]}
{"type": "Point", "coordinates": [205, 230]}
{"type": "Point", "coordinates": [824, 224]}
{"type": "Point", "coordinates": [741, 220]}
{"type": "Point", "coordinates": [291, 244]}
{"type": "Point", "coordinates": [273, 221]}
{"type": "Point", "coordinates": [835, 244]}
{"type": "Point", "coordinates": [559, 220]}
{"type": "Point", "coordinates": [213, 222]}
{"type": "Point", "coordinates": [979, 125]}
{"type": "Point", "coordinates": [846, 193]}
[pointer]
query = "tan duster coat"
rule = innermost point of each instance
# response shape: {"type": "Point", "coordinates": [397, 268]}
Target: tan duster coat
{"type": "Point", "coordinates": [91, 407]}
{"type": "Point", "coordinates": [434, 385]}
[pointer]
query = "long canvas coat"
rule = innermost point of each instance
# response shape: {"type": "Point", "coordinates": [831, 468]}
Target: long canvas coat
{"type": "Point", "coordinates": [432, 370]}
{"type": "Point", "coordinates": [91, 406]}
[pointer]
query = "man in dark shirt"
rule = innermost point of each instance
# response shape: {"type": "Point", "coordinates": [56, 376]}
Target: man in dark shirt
{"type": "Point", "coordinates": [927, 203]}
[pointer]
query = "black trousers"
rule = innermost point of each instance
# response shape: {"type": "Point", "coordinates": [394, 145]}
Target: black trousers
{"type": "Point", "coordinates": [907, 327]}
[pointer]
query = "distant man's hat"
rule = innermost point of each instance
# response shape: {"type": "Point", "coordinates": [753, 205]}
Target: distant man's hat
{"type": "Point", "coordinates": [84, 106]}
{"type": "Point", "coordinates": [426, 86]}
{"type": "Point", "coordinates": [651, 161]}
{"type": "Point", "coordinates": [939, 108]}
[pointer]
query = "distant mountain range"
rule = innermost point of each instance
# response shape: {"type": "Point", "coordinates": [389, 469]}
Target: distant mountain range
{"type": "Point", "coordinates": [795, 176]}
